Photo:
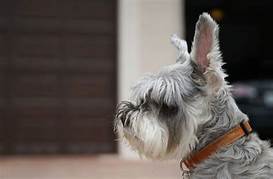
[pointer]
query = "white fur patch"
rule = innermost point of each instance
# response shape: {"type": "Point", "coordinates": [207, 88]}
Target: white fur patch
{"type": "Point", "coordinates": [147, 135]}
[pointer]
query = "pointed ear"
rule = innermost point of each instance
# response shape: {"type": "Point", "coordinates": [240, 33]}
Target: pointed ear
{"type": "Point", "coordinates": [206, 54]}
{"type": "Point", "coordinates": [205, 48]}
{"type": "Point", "coordinates": [182, 47]}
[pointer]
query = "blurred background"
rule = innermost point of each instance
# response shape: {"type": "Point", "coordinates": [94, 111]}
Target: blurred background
{"type": "Point", "coordinates": [64, 65]}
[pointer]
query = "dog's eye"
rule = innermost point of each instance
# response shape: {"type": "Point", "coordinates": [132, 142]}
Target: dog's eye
{"type": "Point", "coordinates": [143, 105]}
{"type": "Point", "coordinates": [142, 102]}
{"type": "Point", "coordinates": [168, 110]}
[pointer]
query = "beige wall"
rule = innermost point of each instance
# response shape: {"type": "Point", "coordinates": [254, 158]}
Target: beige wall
{"type": "Point", "coordinates": [145, 27]}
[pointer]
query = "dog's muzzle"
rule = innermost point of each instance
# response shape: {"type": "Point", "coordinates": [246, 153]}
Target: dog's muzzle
{"type": "Point", "coordinates": [124, 112]}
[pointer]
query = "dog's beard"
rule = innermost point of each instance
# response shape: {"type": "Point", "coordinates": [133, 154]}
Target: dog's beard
{"type": "Point", "coordinates": [142, 130]}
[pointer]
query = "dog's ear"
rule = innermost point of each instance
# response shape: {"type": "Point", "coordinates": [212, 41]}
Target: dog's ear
{"type": "Point", "coordinates": [205, 43]}
{"type": "Point", "coordinates": [205, 51]}
{"type": "Point", "coordinates": [182, 47]}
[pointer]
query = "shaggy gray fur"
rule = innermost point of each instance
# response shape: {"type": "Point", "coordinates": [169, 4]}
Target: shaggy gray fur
{"type": "Point", "coordinates": [187, 105]}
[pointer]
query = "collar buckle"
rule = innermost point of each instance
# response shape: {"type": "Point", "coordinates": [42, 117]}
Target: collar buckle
{"type": "Point", "coordinates": [185, 170]}
{"type": "Point", "coordinates": [246, 127]}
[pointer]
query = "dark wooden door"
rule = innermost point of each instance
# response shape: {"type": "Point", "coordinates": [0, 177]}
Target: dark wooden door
{"type": "Point", "coordinates": [57, 76]}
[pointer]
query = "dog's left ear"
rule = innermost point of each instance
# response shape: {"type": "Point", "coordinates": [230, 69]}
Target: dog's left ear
{"type": "Point", "coordinates": [205, 51]}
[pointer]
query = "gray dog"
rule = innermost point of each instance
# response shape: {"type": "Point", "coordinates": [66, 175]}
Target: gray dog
{"type": "Point", "coordinates": [186, 112]}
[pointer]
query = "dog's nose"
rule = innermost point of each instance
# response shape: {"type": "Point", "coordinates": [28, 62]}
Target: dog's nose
{"type": "Point", "coordinates": [124, 111]}
{"type": "Point", "coordinates": [124, 119]}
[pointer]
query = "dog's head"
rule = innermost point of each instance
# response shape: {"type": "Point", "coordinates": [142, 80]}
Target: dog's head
{"type": "Point", "coordinates": [167, 108]}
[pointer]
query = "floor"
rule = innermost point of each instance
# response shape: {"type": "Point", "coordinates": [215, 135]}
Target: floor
{"type": "Point", "coordinates": [85, 167]}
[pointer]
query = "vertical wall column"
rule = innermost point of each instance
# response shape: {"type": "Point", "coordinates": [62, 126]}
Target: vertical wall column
{"type": "Point", "coordinates": [145, 27]}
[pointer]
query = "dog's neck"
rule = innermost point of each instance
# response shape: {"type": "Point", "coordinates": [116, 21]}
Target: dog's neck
{"type": "Point", "coordinates": [233, 160]}
{"type": "Point", "coordinates": [237, 160]}
{"type": "Point", "coordinates": [225, 115]}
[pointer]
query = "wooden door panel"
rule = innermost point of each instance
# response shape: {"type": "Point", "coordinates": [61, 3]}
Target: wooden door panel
{"type": "Point", "coordinates": [57, 76]}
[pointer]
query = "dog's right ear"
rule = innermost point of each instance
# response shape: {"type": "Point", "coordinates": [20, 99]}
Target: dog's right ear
{"type": "Point", "coordinates": [205, 43]}
{"type": "Point", "coordinates": [205, 51]}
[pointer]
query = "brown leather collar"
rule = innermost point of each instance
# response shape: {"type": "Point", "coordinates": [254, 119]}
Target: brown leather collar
{"type": "Point", "coordinates": [231, 136]}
